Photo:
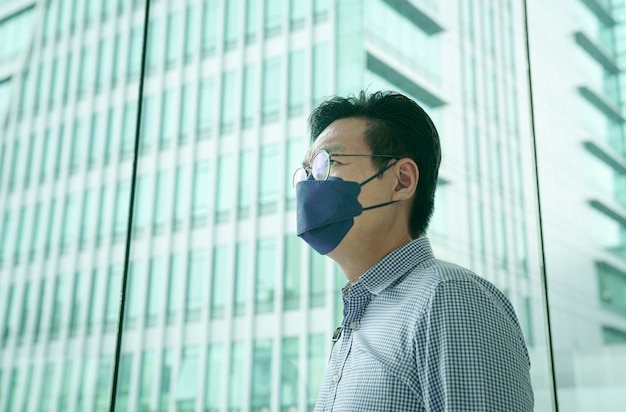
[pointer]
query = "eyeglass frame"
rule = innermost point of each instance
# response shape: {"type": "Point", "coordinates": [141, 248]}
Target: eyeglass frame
{"type": "Point", "coordinates": [308, 170]}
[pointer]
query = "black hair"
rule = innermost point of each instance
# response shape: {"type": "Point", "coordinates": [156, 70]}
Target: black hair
{"type": "Point", "coordinates": [398, 126]}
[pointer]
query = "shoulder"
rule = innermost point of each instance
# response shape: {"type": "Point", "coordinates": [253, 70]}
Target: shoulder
{"type": "Point", "coordinates": [445, 293]}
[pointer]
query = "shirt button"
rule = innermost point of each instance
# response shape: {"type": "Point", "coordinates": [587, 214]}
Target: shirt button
{"type": "Point", "coordinates": [336, 378]}
{"type": "Point", "coordinates": [354, 325]}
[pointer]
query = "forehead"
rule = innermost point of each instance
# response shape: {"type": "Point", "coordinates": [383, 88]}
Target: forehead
{"type": "Point", "coordinates": [341, 136]}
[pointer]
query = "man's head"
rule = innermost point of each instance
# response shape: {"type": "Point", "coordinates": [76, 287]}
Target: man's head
{"type": "Point", "coordinates": [393, 125]}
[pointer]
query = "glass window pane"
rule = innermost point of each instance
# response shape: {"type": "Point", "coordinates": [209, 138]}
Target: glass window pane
{"type": "Point", "coordinates": [168, 119]}
{"type": "Point", "coordinates": [155, 49]}
{"type": "Point", "coordinates": [210, 18]}
{"type": "Point", "coordinates": [174, 298]}
{"type": "Point", "coordinates": [228, 102]}
{"type": "Point", "coordinates": [197, 273]}
{"type": "Point", "coordinates": [187, 379]}
{"type": "Point", "coordinates": [146, 380]}
{"type": "Point", "coordinates": [250, 92]}
{"type": "Point", "coordinates": [79, 293]}
{"type": "Point", "coordinates": [104, 383]}
{"type": "Point", "coordinates": [321, 73]}
{"type": "Point", "coordinates": [79, 138]}
{"type": "Point", "coordinates": [242, 274]}
{"type": "Point", "coordinates": [292, 272]}
{"type": "Point", "coordinates": [141, 208]}
{"type": "Point", "coordinates": [134, 56]}
{"type": "Point", "coordinates": [69, 383]}
{"type": "Point", "coordinates": [295, 150]}
{"type": "Point", "coordinates": [201, 194]}
{"type": "Point", "coordinates": [273, 17]}
{"type": "Point", "coordinates": [206, 107]}
{"type": "Point", "coordinates": [9, 323]}
{"type": "Point", "coordinates": [52, 227]}
{"type": "Point", "coordinates": [236, 376]}
{"type": "Point", "coordinates": [261, 375]}
{"type": "Point", "coordinates": [268, 184]}
{"type": "Point", "coordinates": [191, 31]}
{"type": "Point", "coordinates": [225, 189]}
{"type": "Point", "coordinates": [28, 304]}
{"type": "Point", "coordinates": [156, 282]}
{"type": "Point", "coordinates": [317, 280]}
{"type": "Point", "coordinates": [271, 89]}
{"type": "Point", "coordinates": [251, 20]}
{"type": "Point", "coordinates": [112, 308]}
{"type": "Point", "coordinates": [127, 144]}
{"type": "Point", "coordinates": [182, 197]}
{"type": "Point", "coordinates": [96, 299]}
{"type": "Point", "coordinates": [162, 201]}
{"type": "Point", "coordinates": [265, 274]}
{"type": "Point", "coordinates": [105, 214]}
{"type": "Point", "coordinates": [87, 70]}
{"type": "Point", "coordinates": [289, 374]}
{"type": "Point", "coordinates": [7, 245]}
{"type": "Point", "coordinates": [135, 287]}
{"type": "Point", "coordinates": [149, 123]}
{"type": "Point", "coordinates": [122, 201]}
{"type": "Point", "coordinates": [219, 278]}
{"type": "Point", "coordinates": [320, 10]}
{"type": "Point", "coordinates": [246, 174]}
{"type": "Point", "coordinates": [123, 383]}
{"type": "Point", "coordinates": [296, 74]}
{"type": "Point", "coordinates": [231, 24]}
{"type": "Point", "coordinates": [316, 359]}
{"type": "Point", "coordinates": [166, 379]}
{"type": "Point", "coordinates": [297, 14]}
{"type": "Point", "coordinates": [70, 223]}
{"type": "Point", "coordinates": [215, 385]}
{"type": "Point", "coordinates": [185, 126]}
{"type": "Point", "coordinates": [173, 39]}
{"type": "Point", "coordinates": [58, 305]}
{"type": "Point", "coordinates": [21, 237]}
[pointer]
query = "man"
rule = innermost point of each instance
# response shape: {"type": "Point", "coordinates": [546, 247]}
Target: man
{"type": "Point", "coordinates": [418, 334]}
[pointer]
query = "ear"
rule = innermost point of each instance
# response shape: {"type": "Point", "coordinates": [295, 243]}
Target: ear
{"type": "Point", "coordinates": [407, 176]}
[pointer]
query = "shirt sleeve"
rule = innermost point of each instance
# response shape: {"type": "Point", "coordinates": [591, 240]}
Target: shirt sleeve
{"type": "Point", "coordinates": [470, 352]}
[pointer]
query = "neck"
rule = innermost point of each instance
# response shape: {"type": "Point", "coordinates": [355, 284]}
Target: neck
{"type": "Point", "coordinates": [355, 261]}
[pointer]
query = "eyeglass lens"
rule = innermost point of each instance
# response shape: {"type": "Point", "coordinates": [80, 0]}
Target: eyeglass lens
{"type": "Point", "coordinates": [320, 168]}
{"type": "Point", "coordinates": [299, 176]}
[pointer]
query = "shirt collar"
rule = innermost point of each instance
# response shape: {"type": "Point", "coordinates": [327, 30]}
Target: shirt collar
{"type": "Point", "coordinates": [396, 264]}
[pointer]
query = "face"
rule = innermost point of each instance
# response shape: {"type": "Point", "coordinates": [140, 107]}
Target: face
{"type": "Point", "coordinates": [347, 136]}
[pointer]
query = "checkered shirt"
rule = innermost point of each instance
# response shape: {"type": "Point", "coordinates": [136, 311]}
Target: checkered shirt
{"type": "Point", "coordinates": [420, 334]}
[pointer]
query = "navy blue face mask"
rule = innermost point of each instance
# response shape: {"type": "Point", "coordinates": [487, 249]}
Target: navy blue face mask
{"type": "Point", "coordinates": [326, 210]}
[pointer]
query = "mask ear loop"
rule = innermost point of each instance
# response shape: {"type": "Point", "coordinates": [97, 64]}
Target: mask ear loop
{"type": "Point", "coordinates": [380, 173]}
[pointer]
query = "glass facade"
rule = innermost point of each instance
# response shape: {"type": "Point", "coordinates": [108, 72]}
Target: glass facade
{"type": "Point", "coordinates": [225, 308]}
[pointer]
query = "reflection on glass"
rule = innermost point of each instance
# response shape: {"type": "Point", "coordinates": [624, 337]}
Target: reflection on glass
{"type": "Point", "coordinates": [271, 92]}
{"type": "Point", "coordinates": [236, 376]}
{"type": "Point", "coordinates": [196, 276]}
{"type": "Point", "coordinates": [157, 281]}
{"type": "Point", "coordinates": [317, 279]}
{"type": "Point", "coordinates": [265, 274]}
{"type": "Point", "coordinates": [166, 379]}
{"type": "Point", "coordinates": [221, 257]}
{"type": "Point", "coordinates": [261, 375]}
{"type": "Point", "coordinates": [315, 366]}
{"type": "Point", "coordinates": [292, 273]}
{"type": "Point", "coordinates": [242, 271]}
{"type": "Point", "coordinates": [215, 385]}
{"type": "Point", "coordinates": [289, 375]}
{"type": "Point", "coordinates": [146, 380]}
{"type": "Point", "coordinates": [186, 383]}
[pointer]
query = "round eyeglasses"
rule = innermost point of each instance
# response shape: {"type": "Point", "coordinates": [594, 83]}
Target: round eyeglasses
{"type": "Point", "coordinates": [320, 166]}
